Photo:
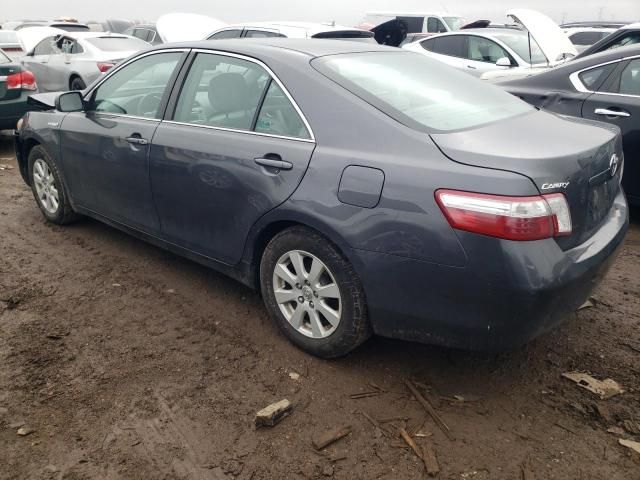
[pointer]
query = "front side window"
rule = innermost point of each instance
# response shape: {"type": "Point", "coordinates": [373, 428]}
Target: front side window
{"type": "Point", "coordinates": [46, 47]}
{"type": "Point", "coordinates": [524, 45]}
{"type": "Point", "coordinates": [420, 92]}
{"type": "Point", "coordinates": [138, 88]}
{"type": "Point", "coordinates": [628, 83]}
{"type": "Point", "coordinates": [434, 25]}
{"type": "Point", "coordinates": [482, 49]}
{"type": "Point", "coordinates": [237, 94]}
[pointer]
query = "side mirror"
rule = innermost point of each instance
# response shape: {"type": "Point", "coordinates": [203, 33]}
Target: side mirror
{"type": "Point", "coordinates": [503, 62]}
{"type": "Point", "coordinates": [70, 102]}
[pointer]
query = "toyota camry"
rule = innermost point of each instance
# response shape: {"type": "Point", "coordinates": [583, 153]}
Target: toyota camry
{"type": "Point", "coordinates": [360, 189]}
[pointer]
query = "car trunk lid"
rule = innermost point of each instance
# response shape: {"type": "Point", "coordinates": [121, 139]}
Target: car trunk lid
{"type": "Point", "coordinates": [560, 155]}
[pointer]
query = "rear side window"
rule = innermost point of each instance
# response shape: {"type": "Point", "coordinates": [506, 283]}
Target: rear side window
{"type": "Point", "coordinates": [261, 34]}
{"type": "Point", "coordinates": [420, 92]}
{"type": "Point", "coordinates": [225, 34]}
{"type": "Point", "coordinates": [278, 115]}
{"type": "Point", "coordinates": [451, 45]}
{"type": "Point", "coordinates": [627, 82]}
{"type": "Point", "coordinates": [233, 93]}
{"type": "Point", "coordinates": [593, 78]}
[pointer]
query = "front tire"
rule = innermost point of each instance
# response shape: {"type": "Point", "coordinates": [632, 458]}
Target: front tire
{"type": "Point", "coordinates": [47, 188]}
{"type": "Point", "coordinates": [77, 84]}
{"type": "Point", "coordinates": [313, 293]}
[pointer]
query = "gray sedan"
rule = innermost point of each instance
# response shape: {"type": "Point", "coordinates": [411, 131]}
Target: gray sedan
{"type": "Point", "coordinates": [71, 61]}
{"type": "Point", "coordinates": [361, 189]}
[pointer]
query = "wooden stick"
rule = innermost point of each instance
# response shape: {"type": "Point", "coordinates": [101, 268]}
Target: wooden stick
{"type": "Point", "coordinates": [430, 460]}
{"type": "Point", "coordinates": [430, 410]}
{"type": "Point", "coordinates": [409, 441]}
{"type": "Point", "coordinates": [330, 436]}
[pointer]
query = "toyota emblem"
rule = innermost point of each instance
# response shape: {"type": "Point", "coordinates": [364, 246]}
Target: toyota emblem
{"type": "Point", "coordinates": [614, 163]}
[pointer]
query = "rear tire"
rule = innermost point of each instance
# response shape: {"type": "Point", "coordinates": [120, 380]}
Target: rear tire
{"type": "Point", "coordinates": [321, 308]}
{"type": "Point", "coordinates": [48, 189]}
{"type": "Point", "coordinates": [77, 84]}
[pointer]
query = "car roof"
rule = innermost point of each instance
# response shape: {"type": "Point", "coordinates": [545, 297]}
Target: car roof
{"type": "Point", "coordinates": [83, 35]}
{"type": "Point", "coordinates": [412, 14]}
{"type": "Point", "coordinates": [309, 27]}
{"type": "Point", "coordinates": [254, 47]}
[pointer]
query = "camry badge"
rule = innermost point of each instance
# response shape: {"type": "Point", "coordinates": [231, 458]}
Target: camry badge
{"type": "Point", "coordinates": [552, 186]}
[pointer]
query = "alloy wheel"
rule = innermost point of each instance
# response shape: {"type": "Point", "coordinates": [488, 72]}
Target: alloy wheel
{"type": "Point", "coordinates": [307, 294]}
{"type": "Point", "coordinates": [45, 186]}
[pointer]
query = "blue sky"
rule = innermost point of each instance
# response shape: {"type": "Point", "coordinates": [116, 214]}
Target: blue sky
{"type": "Point", "coordinates": [343, 11]}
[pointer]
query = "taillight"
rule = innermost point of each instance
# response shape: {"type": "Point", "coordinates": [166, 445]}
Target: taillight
{"type": "Point", "coordinates": [104, 66]}
{"type": "Point", "coordinates": [511, 218]}
{"type": "Point", "coordinates": [24, 80]}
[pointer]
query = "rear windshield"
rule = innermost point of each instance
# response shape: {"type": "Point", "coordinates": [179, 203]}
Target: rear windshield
{"type": "Point", "coordinates": [4, 58]}
{"type": "Point", "coordinates": [69, 27]}
{"type": "Point", "coordinates": [420, 92]}
{"type": "Point", "coordinates": [8, 37]}
{"type": "Point", "coordinates": [118, 44]}
{"type": "Point", "coordinates": [351, 35]}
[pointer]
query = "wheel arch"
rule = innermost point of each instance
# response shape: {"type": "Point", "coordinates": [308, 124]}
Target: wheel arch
{"type": "Point", "coordinates": [268, 228]}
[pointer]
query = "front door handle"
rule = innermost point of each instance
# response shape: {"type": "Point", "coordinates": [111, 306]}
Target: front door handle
{"type": "Point", "coordinates": [272, 163]}
{"type": "Point", "coordinates": [137, 140]}
{"type": "Point", "coordinates": [472, 67]}
{"type": "Point", "coordinates": [611, 113]}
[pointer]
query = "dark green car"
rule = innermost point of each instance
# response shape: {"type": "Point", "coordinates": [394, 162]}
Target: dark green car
{"type": "Point", "coordinates": [16, 84]}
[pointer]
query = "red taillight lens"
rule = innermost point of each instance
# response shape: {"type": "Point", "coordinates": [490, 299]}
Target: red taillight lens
{"type": "Point", "coordinates": [104, 66]}
{"type": "Point", "coordinates": [24, 80]}
{"type": "Point", "coordinates": [511, 218]}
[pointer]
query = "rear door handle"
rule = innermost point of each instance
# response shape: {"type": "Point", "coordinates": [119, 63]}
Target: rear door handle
{"type": "Point", "coordinates": [272, 163]}
{"type": "Point", "coordinates": [137, 140]}
{"type": "Point", "coordinates": [611, 113]}
{"type": "Point", "coordinates": [471, 67]}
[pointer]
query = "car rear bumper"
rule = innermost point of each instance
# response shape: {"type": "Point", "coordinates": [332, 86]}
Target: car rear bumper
{"type": "Point", "coordinates": [12, 110]}
{"type": "Point", "coordinates": [507, 294]}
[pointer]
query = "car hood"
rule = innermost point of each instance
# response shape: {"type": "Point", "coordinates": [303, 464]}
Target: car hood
{"type": "Point", "coordinates": [553, 42]}
{"type": "Point", "coordinates": [184, 27]}
{"type": "Point", "coordinates": [29, 37]}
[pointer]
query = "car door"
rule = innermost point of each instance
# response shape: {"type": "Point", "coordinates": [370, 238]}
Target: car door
{"type": "Point", "coordinates": [482, 54]}
{"type": "Point", "coordinates": [105, 149]}
{"type": "Point", "coordinates": [618, 102]}
{"type": "Point", "coordinates": [450, 49]}
{"type": "Point", "coordinates": [38, 63]}
{"type": "Point", "coordinates": [59, 65]}
{"type": "Point", "coordinates": [234, 147]}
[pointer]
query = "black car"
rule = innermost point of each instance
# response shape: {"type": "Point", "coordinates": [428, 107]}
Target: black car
{"type": "Point", "coordinates": [16, 84]}
{"type": "Point", "coordinates": [146, 32]}
{"type": "Point", "coordinates": [604, 87]}
{"type": "Point", "coordinates": [623, 37]}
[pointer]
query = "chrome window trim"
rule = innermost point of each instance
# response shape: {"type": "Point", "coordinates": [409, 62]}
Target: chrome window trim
{"type": "Point", "coordinates": [114, 70]}
{"type": "Point", "coordinates": [234, 130]}
{"type": "Point", "coordinates": [574, 78]}
{"type": "Point", "coordinates": [277, 80]}
{"type": "Point", "coordinates": [133, 117]}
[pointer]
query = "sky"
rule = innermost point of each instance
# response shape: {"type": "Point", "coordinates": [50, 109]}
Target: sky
{"type": "Point", "coordinates": [348, 12]}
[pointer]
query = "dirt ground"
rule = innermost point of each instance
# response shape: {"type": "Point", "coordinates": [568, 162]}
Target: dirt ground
{"type": "Point", "coordinates": [128, 362]}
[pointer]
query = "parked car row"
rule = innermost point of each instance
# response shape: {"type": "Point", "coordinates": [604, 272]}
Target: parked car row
{"type": "Point", "coordinates": [360, 188]}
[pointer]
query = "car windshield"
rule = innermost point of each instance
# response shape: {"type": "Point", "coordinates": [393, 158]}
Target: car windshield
{"type": "Point", "coordinates": [519, 43]}
{"type": "Point", "coordinates": [454, 23]}
{"type": "Point", "coordinates": [420, 92]}
{"type": "Point", "coordinates": [8, 36]}
{"type": "Point", "coordinates": [118, 44]}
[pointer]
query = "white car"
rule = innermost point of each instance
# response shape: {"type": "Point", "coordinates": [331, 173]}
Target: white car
{"type": "Point", "coordinates": [291, 30]}
{"type": "Point", "coordinates": [72, 60]}
{"type": "Point", "coordinates": [419, 22]}
{"type": "Point", "coordinates": [492, 53]}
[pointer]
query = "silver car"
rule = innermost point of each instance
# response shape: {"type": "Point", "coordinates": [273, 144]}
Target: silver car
{"type": "Point", "coordinates": [72, 60]}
